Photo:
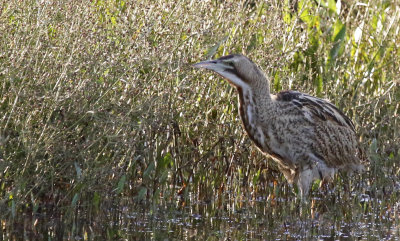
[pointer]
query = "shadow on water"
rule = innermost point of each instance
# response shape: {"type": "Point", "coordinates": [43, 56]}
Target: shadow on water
{"type": "Point", "coordinates": [324, 218]}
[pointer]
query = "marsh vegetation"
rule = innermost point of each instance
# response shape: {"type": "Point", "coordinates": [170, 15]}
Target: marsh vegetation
{"type": "Point", "coordinates": [107, 132]}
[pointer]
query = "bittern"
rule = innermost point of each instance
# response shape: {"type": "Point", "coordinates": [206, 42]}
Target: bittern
{"type": "Point", "coordinates": [308, 137]}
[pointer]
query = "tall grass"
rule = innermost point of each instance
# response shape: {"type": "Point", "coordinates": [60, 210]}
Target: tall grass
{"type": "Point", "coordinates": [98, 102]}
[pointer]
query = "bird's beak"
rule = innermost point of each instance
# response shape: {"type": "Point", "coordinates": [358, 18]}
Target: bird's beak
{"type": "Point", "coordinates": [208, 64]}
{"type": "Point", "coordinates": [222, 68]}
{"type": "Point", "coordinates": [214, 65]}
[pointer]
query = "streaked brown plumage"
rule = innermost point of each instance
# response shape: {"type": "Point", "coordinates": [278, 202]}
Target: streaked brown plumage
{"type": "Point", "coordinates": [308, 137]}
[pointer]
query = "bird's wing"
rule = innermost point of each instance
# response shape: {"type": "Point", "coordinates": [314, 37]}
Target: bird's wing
{"type": "Point", "coordinates": [335, 140]}
{"type": "Point", "coordinates": [316, 107]}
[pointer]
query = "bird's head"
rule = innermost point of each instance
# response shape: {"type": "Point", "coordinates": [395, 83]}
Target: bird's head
{"type": "Point", "coordinates": [237, 69]}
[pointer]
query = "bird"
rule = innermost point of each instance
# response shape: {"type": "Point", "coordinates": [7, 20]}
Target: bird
{"type": "Point", "coordinates": [308, 137]}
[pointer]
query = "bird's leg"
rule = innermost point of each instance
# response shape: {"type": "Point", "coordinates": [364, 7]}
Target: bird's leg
{"type": "Point", "coordinates": [304, 181]}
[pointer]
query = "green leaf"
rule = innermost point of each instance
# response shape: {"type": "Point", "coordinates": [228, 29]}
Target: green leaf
{"type": "Point", "coordinates": [252, 44]}
{"type": "Point", "coordinates": [13, 209]}
{"type": "Point", "coordinates": [78, 170]}
{"type": "Point", "coordinates": [256, 177]}
{"type": "Point", "coordinates": [334, 51]}
{"type": "Point", "coordinates": [113, 20]}
{"type": "Point", "coordinates": [211, 51]}
{"type": "Point", "coordinates": [305, 16]}
{"type": "Point", "coordinates": [75, 199]}
{"type": "Point", "coordinates": [374, 146]}
{"type": "Point", "coordinates": [96, 200]}
{"type": "Point", "coordinates": [332, 5]}
{"type": "Point", "coordinates": [163, 177]}
{"type": "Point", "coordinates": [121, 184]}
{"type": "Point", "coordinates": [339, 33]}
{"type": "Point", "coordinates": [315, 185]}
{"type": "Point", "coordinates": [165, 160]}
{"type": "Point", "coordinates": [148, 170]}
{"type": "Point", "coordinates": [141, 193]}
{"type": "Point", "coordinates": [287, 16]}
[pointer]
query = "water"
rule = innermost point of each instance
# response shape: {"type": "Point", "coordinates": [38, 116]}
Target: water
{"type": "Point", "coordinates": [323, 218]}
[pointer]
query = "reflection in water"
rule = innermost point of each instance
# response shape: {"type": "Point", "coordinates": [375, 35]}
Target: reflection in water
{"type": "Point", "coordinates": [328, 218]}
{"type": "Point", "coordinates": [345, 219]}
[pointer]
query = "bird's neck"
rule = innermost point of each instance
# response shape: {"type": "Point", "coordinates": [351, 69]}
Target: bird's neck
{"type": "Point", "coordinates": [253, 105]}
